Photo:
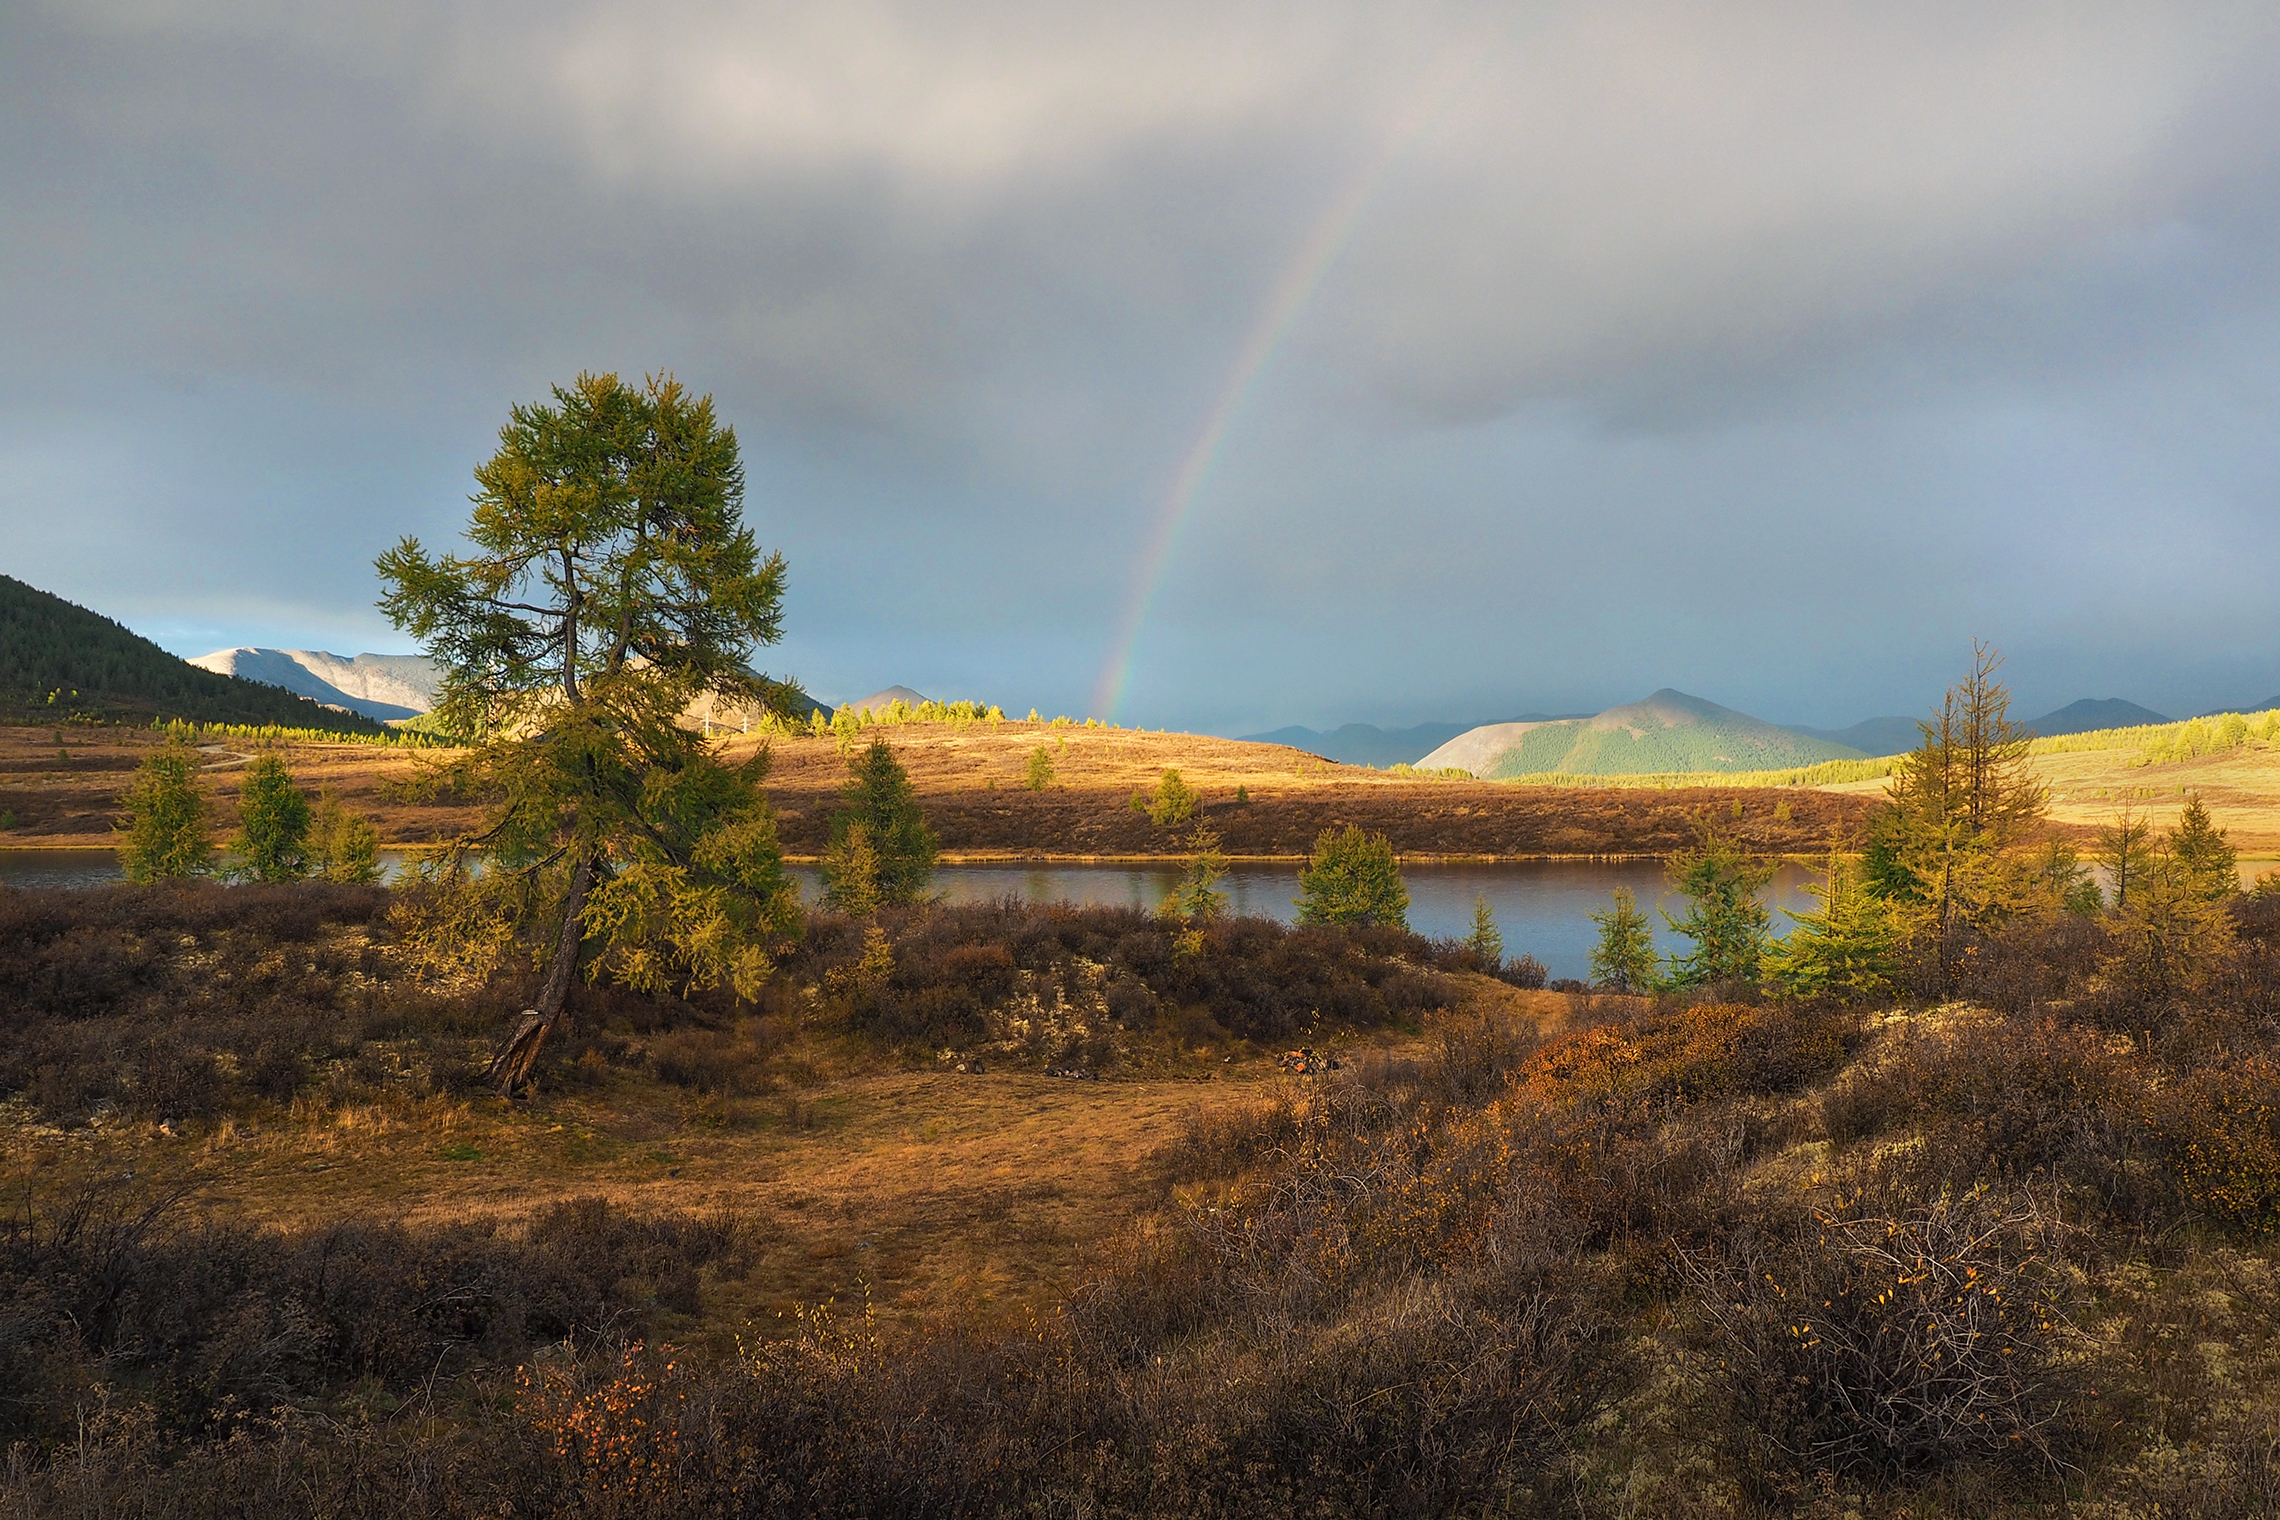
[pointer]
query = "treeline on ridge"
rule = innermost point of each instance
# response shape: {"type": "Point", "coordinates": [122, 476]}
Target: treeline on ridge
{"type": "Point", "coordinates": [59, 661]}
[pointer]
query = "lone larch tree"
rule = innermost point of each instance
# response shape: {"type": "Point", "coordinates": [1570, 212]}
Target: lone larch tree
{"type": "Point", "coordinates": [611, 584]}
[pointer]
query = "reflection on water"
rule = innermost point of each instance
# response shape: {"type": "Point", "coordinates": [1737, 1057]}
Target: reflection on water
{"type": "Point", "coordinates": [1543, 907]}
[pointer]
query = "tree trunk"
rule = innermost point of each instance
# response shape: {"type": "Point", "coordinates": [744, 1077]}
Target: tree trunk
{"type": "Point", "coordinates": [512, 1066]}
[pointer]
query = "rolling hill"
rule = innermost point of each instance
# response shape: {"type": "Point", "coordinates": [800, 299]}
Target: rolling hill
{"type": "Point", "coordinates": [1871, 736]}
{"type": "Point", "coordinates": [57, 659]}
{"type": "Point", "coordinates": [1669, 731]}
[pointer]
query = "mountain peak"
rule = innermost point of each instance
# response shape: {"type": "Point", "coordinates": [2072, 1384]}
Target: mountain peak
{"type": "Point", "coordinates": [880, 700]}
{"type": "Point", "coordinates": [2093, 713]}
{"type": "Point", "coordinates": [1668, 731]}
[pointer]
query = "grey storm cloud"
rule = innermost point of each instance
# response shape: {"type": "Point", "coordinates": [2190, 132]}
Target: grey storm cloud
{"type": "Point", "coordinates": [1768, 351]}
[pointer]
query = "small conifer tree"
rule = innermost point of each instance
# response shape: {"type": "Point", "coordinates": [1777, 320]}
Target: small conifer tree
{"type": "Point", "coordinates": [1197, 899]}
{"type": "Point", "coordinates": [1172, 805]}
{"type": "Point", "coordinates": [166, 818]}
{"type": "Point", "coordinates": [272, 841]}
{"type": "Point", "coordinates": [2066, 882]}
{"type": "Point", "coordinates": [1624, 960]}
{"type": "Point", "coordinates": [1485, 940]}
{"type": "Point", "coordinates": [1725, 919]}
{"type": "Point", "coordinates": [2171, 935]}
{"type": "Point", "coordinates": [343, 846]}
{"type": "Point", "coordinates": [1352, 878]}
{"type": "Point", "coordinates": [1040, 769]}
{"type": "Point", "coordinates": [1847, 947]}
{"type": "Point", "coordinates": [2123, 846]}
{"type": "Point", "coordinates": [879, 797]}
{"type": "Point", "coordinates": [2206, 861]}
{"type": "Point", "coordinates": [851, 873]}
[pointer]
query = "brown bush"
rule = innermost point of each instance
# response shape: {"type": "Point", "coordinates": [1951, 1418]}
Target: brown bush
{"type": "Point", "coordinates": [1889, 1343]}
{"type": "Point", "coordinates": [1254, 979]}
{"type": "Point", "coordinates": [2220, 1130]}
{"type": "Point", "coordinates": [205, 1318]}
{"type": "Point", "coordinates": [1693, 1053]}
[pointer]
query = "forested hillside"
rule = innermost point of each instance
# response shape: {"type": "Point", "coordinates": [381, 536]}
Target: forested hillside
{"type": "Point", "coordinates": [58, 659]}
{"type": "Point", "coordinates": [1669, 732]}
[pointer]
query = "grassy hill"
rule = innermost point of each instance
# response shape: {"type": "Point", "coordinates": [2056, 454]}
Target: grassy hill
{"type": "Point", "coordinates": [1669, 732]}
{"type": "Point", "coordinates": [59, 660]}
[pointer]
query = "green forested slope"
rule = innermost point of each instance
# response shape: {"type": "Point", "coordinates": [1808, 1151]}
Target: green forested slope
{"type": "Point", "coordinates": [57, 659]}
{"type": "Point", "coordinates": [1668, 732]}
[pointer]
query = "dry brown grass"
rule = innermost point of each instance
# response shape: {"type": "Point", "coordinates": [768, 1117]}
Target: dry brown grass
{"type": "Point", "coordinates": [970, 783]}
{"type": "Point", "coordinates": [67, 795]}
{"type": "Point", "coordinates": [925, 1192]}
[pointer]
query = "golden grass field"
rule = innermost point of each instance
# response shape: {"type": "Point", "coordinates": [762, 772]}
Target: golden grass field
{"type": "Point", "coordinates": [66, 795]}
{"type": "Point", "coordinates": [2089, 787]}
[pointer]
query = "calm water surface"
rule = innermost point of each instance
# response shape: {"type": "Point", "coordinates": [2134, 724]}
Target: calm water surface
{"type": "Point", "coordinates": [1543, 908]}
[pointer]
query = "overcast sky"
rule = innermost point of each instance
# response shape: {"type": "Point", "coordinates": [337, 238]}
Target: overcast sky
{"type": "Point", "coordinates": [1488, 357]}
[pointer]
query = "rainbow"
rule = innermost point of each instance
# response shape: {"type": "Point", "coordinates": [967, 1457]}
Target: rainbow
{"type": "Point", "coordinates": [1287, 298]}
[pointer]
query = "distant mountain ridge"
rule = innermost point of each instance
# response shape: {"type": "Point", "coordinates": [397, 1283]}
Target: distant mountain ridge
{"type": "Point", "coordinates": [1669, 731]}
{"type": "Point", "coordinates": [383, 686]}
{"type": "Point", "coordinates": [2093, 713]}
{"type": "Point", "coordinates": [57, 658]}
{"type": "Point", "coordinates": [1367, 744]}
{"type": "Point", "coordinates": [880, 701]}
{"type": "Point", "coordinates": [1871, 736]}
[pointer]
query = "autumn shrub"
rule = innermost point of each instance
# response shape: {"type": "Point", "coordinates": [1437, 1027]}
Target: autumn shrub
{"type": "Point", "coordinates": [2220, 1131]}
{"type": "Point", "coordinates": [1693, 1052]}
{"type": "Point", "coordinates": [1228, 1138]}
{"type": "Point", "coordinates": [732, 1062]}
{"type": "Point", "coordinates": [2043, 959]}
{"type": "Point", "coordinates": [108, 1279]}
{"type": "Point", "coordinates": [2006, 1098]}
{"type": "Point", "coordinates": [1889, 1344]}
{"type": "Point", "coordinates": [953, 968]}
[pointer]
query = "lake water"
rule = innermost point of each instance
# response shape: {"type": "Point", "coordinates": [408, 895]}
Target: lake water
{"type": "Point", "coordinates": [1543, 908]}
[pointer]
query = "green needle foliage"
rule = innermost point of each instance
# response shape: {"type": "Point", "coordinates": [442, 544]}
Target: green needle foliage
{"type": "Point", "coordinates": [1197, 899]}
{"type": "Point", "coordinates": [2065, 881]}
{"type": "Point", "coordinates": [342, 846]}
{"type": "Point", "coordinates": [2173, 932]}
{"type": "Point", "coordinates": [272, 841]}
{"type": "Point", "coordinates": [612, 585]}
{"type": "Point", "coordinates": [1352, 879]}
{"type": "Point", "coordinates": [1485, 941]}
{"type": "Point", "coordinates": [851, 873]}
{"type": "Point", "coordinates": [166, 819]}
{"type": "Point", "coordinates": [879, 800]}
{"type": "Point", "coordinates": [1958, 817]}
{"type": "Point", "coordinates": [1725, 919]}
{"type": "Point", "coordinates": [2204, 857]}
{"type": "Point", "coordinates": [1625, 959]}
{"type": "Point", "coordinates": [1040, 769]}
{"type": "Point", "coordinates": [1848, 947]}
{"type": "Point", "coordinates": [1172, 805]}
